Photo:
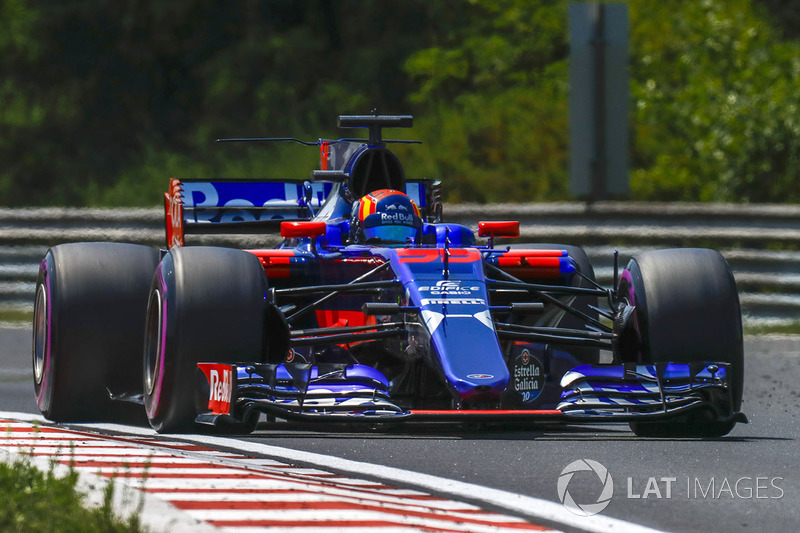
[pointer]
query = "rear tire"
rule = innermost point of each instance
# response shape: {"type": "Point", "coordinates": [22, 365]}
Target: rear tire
{"type": "Point", "coordinates": [206, 304]}
{"type": "Point", "coordinates": [87, 329]}
{"type": "Point", "coordinates": [687, 309]}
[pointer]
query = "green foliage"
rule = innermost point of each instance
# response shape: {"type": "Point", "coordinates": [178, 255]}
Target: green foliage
{"type": "Point", "coordinates": [94, 94]}
{"type": "Point", "coordinates": [101, 102]}
{"type": "Point", "coordinates": [790, 328]}
{"type": "Point", "coordinates": [36, 501]}
{"type": "Point", "coordinates": [492, 102]}
{"type": "Point", "coordinates": [716, 98]}
{"type": "Point", "coordinates": [145, 183]}
{"type": "Point", "coordinates": [16, 316]}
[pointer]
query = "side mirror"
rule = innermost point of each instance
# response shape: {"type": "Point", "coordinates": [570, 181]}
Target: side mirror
{"type": "Point", "coordinates": [294, 230]}
{"type": "Point", "coordinates": [500, 228]}
{"type": "Point", "coordinates": [506, 228]}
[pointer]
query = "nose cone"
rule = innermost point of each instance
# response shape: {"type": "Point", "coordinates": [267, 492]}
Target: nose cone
{"type": "Point", "coordinates": [483, 388]}
{"type": "Point", "coordinates": [449, 287]}
{"type": "Point", "coordinates": [469, 354]}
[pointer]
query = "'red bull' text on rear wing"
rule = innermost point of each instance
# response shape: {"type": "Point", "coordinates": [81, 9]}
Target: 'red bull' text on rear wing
{"type": "Point", "coordinates": [231, 207]}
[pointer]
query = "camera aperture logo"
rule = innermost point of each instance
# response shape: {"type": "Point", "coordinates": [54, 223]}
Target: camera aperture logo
{"type": "Point", "coordinates": [591, 508]}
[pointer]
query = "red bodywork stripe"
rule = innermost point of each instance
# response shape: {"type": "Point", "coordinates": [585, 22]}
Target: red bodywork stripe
{"type": "Point", "coordinates": [428, 255]}
{"type": "Point", "coordinates": [535, 253]}
{"type": "Point", "coordinates": [276, 263]}
{"type": "Point", "coordinates": [532, 263]}
{"type": "Point", "coordinates": [329, 318]}
{"type": "Point", "coordinates": [336, 318]}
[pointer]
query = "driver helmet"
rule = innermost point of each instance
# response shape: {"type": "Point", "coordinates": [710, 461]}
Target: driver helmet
{"type": "Point", "coordinates": [385, 216]}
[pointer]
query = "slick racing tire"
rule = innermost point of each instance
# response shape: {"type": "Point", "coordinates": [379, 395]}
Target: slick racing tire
{"type": "Point", "coordinates": [581, 303]}
{"type": "Point", "coordinates": [686, 309]}
{"type": "Point", "coordinates": [205, 304]}
{"type": "Point", "coordinates": [88, 328]}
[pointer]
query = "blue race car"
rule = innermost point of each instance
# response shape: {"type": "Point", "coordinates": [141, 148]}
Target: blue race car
{"type": "Point", "coordinates": [374, 309]}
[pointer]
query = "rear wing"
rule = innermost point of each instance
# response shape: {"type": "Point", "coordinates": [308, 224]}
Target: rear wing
{"type": "Point", "coordinates": [206, 207]}
{"type": "Point", "coordinates": [236, 207]}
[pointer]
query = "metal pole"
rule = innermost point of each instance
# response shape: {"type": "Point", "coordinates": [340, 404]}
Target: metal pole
{"type": "Point", "coordinates": [599, 170]}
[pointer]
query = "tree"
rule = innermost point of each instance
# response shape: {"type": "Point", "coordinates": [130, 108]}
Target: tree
{"type": "Point", "coordinates": [101, 102]}
{"type": "Point", "coordinates": [492, 94]}
{"type": "Point", "coordinates": [715, 93]}
{"type": "Point", "coordinates": [98, 96]}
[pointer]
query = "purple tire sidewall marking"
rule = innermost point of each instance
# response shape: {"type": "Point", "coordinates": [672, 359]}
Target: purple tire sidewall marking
{"type": "Point", "coordinates": [153, 408]}
{"type": "Point", "coordinates": [626, 275]}
{"type": "Point", "coordinates": [44, 386]}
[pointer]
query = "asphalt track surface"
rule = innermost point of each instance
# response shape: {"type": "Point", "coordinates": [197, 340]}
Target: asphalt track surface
{"type": "Point", "coordinates": [747, 481]}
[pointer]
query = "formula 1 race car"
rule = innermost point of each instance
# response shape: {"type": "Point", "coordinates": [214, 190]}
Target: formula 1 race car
{"type": "Point", "coordinates": [373, 309]}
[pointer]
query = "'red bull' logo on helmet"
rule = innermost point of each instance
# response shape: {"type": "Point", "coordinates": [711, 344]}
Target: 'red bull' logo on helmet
{"type": "Point", "coordinates": [393, 207]}
{"type": "Point", "coordinates": [397, 218]}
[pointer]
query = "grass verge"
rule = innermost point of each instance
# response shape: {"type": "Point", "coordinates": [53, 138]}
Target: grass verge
{"type": "Point", "coordinates": [37, 501]}
{"type": "Point", "coordinates": [792, 328]}
{"type": "Point", "coordinates": [16, 316]}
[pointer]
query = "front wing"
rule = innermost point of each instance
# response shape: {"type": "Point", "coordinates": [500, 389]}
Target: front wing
{"type": "Point", "coordinates": [359, 393]}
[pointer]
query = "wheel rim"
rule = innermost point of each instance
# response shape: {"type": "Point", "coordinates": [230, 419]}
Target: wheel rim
{"type": "Point", "coordinates": [152, 342]}
{"type": "Point", "coordinates": [39, 334]}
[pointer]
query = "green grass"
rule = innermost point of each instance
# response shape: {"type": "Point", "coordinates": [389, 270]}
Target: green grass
{"type": "Point", "coordinates": [36, 501]}
{"type": "Point", "coordinates": [17, 316]}
{"type": "Point", "coordinates": [792, 328]}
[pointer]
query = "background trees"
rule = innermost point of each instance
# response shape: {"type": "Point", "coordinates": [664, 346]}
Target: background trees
{"type": "Point", "coordinates": [101, 101]}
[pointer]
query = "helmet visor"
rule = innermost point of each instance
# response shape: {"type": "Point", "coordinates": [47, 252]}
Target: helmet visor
{"type": "Point", "coordinates": [390, 234]}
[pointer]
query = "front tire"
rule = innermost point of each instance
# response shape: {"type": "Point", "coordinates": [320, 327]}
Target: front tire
{"type": "Point", "coordinates": [87, 328]}
{"type": "Point", "coordinates": [205, 304]}
{"type": "Point", "coordinates": [687, 309]}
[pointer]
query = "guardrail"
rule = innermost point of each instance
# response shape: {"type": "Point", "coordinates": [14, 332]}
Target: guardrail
{"type": "Point", "coordinates": [761, 242]}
